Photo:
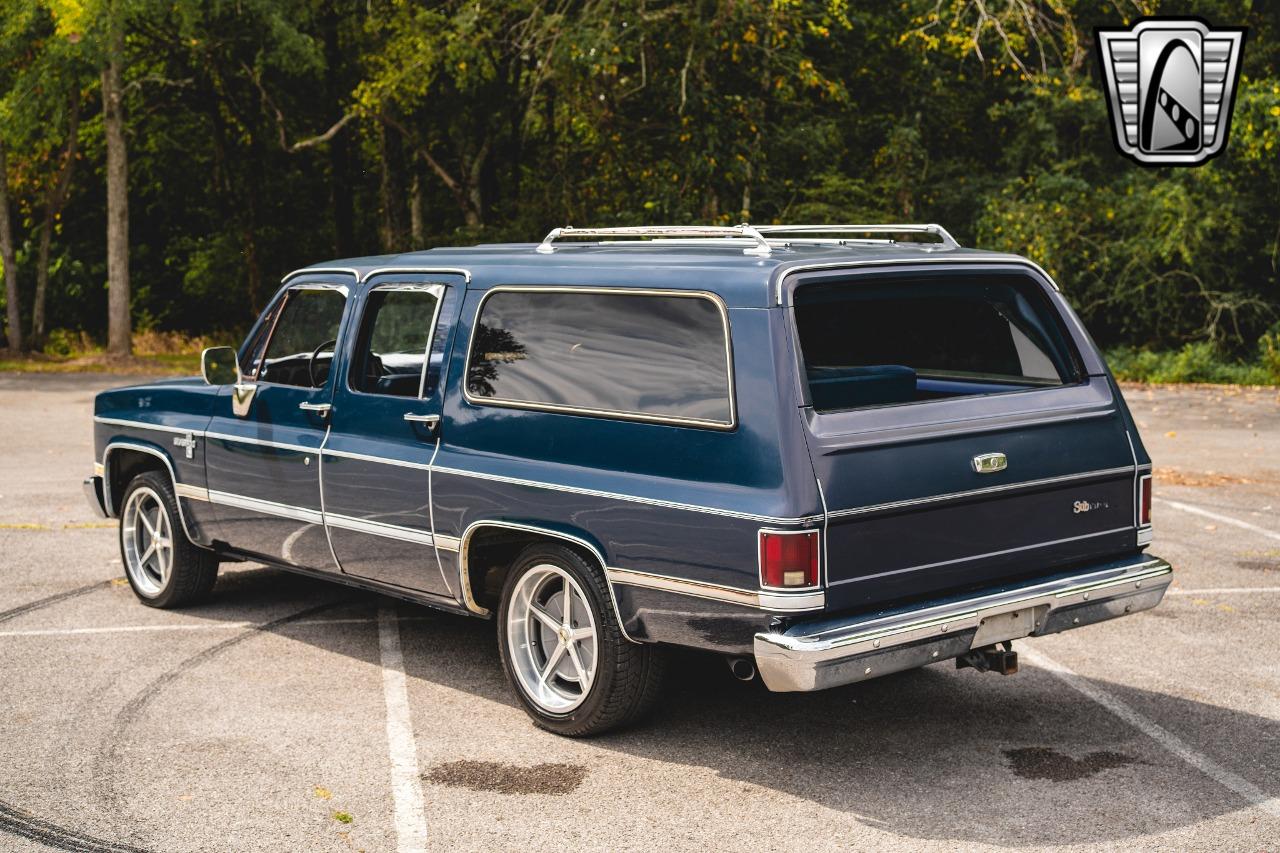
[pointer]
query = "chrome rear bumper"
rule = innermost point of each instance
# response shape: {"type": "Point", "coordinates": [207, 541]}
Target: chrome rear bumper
{"type": "Point", "coordinates": [826, 653]}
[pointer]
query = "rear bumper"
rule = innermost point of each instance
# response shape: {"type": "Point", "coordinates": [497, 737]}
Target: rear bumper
{"type": "Point", "coordinates": [93, 494]}
{"type": "Point", "coordinates": [826, 653]}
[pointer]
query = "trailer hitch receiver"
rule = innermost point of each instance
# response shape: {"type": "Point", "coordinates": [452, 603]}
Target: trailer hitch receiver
{"type": "Point", "coordinates": [991, 658]}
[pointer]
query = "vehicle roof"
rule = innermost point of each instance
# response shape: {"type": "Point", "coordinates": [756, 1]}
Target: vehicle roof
{"type": "Point", "coordinates": [719, 266]}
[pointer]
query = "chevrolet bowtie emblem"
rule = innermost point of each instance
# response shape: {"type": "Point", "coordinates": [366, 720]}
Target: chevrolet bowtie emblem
{"type": "Point", "coordinates": [1170, 86]}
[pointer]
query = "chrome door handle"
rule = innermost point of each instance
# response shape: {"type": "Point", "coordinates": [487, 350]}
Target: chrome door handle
{"type": "Point", "coordinates": [319, 408]}
{"type": "Point", "coordinates": [430, 420]}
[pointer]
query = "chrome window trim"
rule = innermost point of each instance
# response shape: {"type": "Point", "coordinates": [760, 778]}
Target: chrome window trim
{"type": "Point", "coordinates": [1008, 487]}
{"type": "Point", "coordinates": [822, 553]}
{"type": "Point", "coordinates": [634, 417]}
{"type": "Point", "coordinates": [465, 273]}
{"type": "Point", "coordinates": [306, 286]}
{"type": "Point", "coordinates": [761, 599]}
{"type": "Point", "coordinates": [437, 290]}
{"type": "Point", "coordinates": [782, 272]}
{"type": "Point", "coordinates": [1000, 553]}
{"type": "Point", "coordinates": [464, 544]}
{"type": "Point", "coordinates": [354, 273]}
{"type": "Point", "coordinates": [153, 451]}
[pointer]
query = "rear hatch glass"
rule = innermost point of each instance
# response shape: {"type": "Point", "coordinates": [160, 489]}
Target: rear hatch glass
{"type": "Point", "coordinates": [956, 436]}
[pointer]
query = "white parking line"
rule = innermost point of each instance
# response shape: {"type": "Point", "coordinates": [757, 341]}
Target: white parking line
{"type": "Point", "coordinates": [406, 790]}
{"type": "Point", "coordinates": [1166, 739]}
{"type": "Point", "coordinates": [202, 626]}
{"type": "Point", "coordinates": [1225, 519]}
{"type": "Point", "coordinates": [1225, 590]}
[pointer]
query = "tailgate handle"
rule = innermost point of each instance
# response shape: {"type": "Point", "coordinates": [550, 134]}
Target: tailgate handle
{"type": "Point", "coordinates": [990, 463]}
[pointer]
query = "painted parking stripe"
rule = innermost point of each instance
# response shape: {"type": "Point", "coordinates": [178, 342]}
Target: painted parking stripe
{"type": "Point", "coordinates": [1162, 736]}
{"type": "Point", "coordinates": [406, 790]}
{"type": "Point", "coordinates": [1225, 519]}
{"type": "Point", "coordinates": [202, 626]}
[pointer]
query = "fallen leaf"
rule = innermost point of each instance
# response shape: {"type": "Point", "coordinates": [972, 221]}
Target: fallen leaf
{"type": "Point", "coordinates": [323, 793]}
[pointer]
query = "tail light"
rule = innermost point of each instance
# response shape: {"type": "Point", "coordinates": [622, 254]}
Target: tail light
{"type": "Point", "coordinates": [1144, 500]}
{"type": "Point", "coordinates": [788, 560]}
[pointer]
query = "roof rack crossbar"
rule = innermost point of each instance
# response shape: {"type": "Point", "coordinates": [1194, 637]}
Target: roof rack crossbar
{"type": "Point", "coordinates": [659, 232]}
{"type": "Point", "coordinates": [937, 230]}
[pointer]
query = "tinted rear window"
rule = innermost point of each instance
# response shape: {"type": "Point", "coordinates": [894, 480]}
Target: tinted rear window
{"type": "Point", "coordinates": [650, 357]}
{"type": "Point", "coordinates": [904, 340]}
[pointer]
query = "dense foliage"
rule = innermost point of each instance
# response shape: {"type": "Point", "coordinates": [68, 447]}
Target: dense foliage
{"type": "Point", "coordinates": [268, 134]}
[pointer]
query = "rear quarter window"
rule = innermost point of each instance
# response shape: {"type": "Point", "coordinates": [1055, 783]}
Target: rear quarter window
{"type": "Point", "coordinates": [899, 340]}
{"type": "Point", "coordinates": [660, 357]}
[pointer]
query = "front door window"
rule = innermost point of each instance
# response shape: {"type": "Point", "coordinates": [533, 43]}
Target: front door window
{"type": "Point", "coordinates": [300, 352]}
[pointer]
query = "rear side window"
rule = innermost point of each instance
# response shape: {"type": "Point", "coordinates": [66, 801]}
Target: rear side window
{"type": "Point", "coordinates": [658, 357]}
{"type": "Point", "coordinates": [909, 339]}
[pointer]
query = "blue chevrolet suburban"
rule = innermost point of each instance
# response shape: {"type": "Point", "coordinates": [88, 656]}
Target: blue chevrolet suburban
{"type": "Point", "coordinates": [825, 452]}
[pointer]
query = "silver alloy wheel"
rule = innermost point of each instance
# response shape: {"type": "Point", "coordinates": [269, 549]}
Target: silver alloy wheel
{"type": "Point", "coordinates": [551, 638]}
{"type": "Point", "coordinates": [147, 535]}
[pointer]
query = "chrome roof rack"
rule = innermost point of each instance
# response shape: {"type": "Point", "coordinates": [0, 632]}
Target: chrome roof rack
{"type": "Point", "coordinates": [944, 237]}
{"type": "Point", "coordinates": [665, 233]}
{"type": "Point", "coordinates": [759, 235]}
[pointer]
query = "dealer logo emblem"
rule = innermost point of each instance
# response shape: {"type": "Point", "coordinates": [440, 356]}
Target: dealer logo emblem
{"type": "Point", "coordinates": [1170, 86]}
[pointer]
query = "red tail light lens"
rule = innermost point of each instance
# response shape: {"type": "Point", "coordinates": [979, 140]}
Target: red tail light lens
{"type": "Point", "coordinates": [788, 560]}
{"type": "Point", "coordinates": [1144, 500]}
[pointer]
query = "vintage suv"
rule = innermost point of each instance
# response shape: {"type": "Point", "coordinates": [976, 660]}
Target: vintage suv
{"type": "Point", "coordinates": [825, 452]}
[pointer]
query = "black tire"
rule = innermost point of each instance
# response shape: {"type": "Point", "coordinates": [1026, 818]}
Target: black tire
{"type": "Point", "coordinates": [628, 675]}
{"type": "Point", "coordinates": [194, 570]}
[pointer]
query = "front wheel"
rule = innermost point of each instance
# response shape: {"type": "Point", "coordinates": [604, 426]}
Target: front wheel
{"type": "Point", "coordinates": [563, 650]}
{"type": "Point", "coordinates": [163, 567]}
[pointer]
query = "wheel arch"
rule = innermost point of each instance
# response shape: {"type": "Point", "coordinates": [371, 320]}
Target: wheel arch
{"type": "Point", "coordinates": [505, 539]}
{"type": "Point", "coordinates": [124, 460]}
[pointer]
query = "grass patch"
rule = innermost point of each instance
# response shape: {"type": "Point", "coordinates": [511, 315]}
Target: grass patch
{"type": "Point", "coordinates": [343, 817]}
{"type": "Point", "coordinates": [154, 353]}
{"type": "Point", "coordinates": [1199, 362]}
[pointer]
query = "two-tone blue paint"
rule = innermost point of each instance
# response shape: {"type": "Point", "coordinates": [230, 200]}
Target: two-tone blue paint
{"type": "Point", "coordinates": [672, 511]}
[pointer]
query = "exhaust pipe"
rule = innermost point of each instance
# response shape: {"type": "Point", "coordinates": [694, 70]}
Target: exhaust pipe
{"type": "Point", "coordinates": [743, 669]}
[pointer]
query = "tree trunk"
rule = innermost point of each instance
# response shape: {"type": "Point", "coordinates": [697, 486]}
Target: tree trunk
{"type": "Point", "coordinates": [417, 224]}
{"type": "Point", "coordinates": [119, 327]}
{"type": "Point", "coordinates": [391, 189]}
{"type": "Point", "coordinates": [55, 200]}
{"type": "Point", "coordinates": [341, 201]}
{"type": "Point", "coordinates": [7, 258]}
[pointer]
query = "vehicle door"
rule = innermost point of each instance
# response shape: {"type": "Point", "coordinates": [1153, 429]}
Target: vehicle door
{"type": "Point", "coordinates": [263, 444]}
{"type": "Point", "coordinates": [385, 432]}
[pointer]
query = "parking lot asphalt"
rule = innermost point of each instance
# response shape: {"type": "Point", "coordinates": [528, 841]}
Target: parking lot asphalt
{"type": "Point", "coordinates": [289, 714]}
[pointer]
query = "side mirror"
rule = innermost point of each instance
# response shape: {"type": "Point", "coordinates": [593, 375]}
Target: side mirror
{"type": "Point", "coordinates": [218, 365]}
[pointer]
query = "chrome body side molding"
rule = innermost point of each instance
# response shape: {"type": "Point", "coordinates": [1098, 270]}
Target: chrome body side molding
{"type": "Point", "coordinates": [827, 653]}
{"type": "Point", "coordinates": [762, 599]}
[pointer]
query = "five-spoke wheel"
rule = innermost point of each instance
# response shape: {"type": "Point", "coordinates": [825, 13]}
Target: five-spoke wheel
{"type": "Point", "coordinates": [146, 535]}
{"type": "Point", "coordinates": [162, 565]}
{"type": "Point", "coordinates": [572, 668]}
{"type": "Point", "coordinates": [551, 638]}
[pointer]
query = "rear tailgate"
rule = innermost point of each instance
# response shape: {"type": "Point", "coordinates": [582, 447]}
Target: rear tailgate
{"type": "Point", "coordinates": [908, 516]}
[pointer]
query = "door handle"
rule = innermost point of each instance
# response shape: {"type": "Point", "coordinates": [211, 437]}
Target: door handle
{"type": "Point", "coordinates": [318, 408]}
{"type": "Point", "coordinates": [432, 421]}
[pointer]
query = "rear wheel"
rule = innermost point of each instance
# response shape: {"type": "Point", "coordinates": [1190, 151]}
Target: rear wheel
{"type": "Point", "coordinates": [563, 650]}
{"type": "Point", "coordinates": [163, 567]}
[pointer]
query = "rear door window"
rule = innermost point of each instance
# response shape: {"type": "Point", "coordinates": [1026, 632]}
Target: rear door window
{"type": "Point", "coordinates": [660, 357]}
{"type": "Point", "coordinates": [902, 340]}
